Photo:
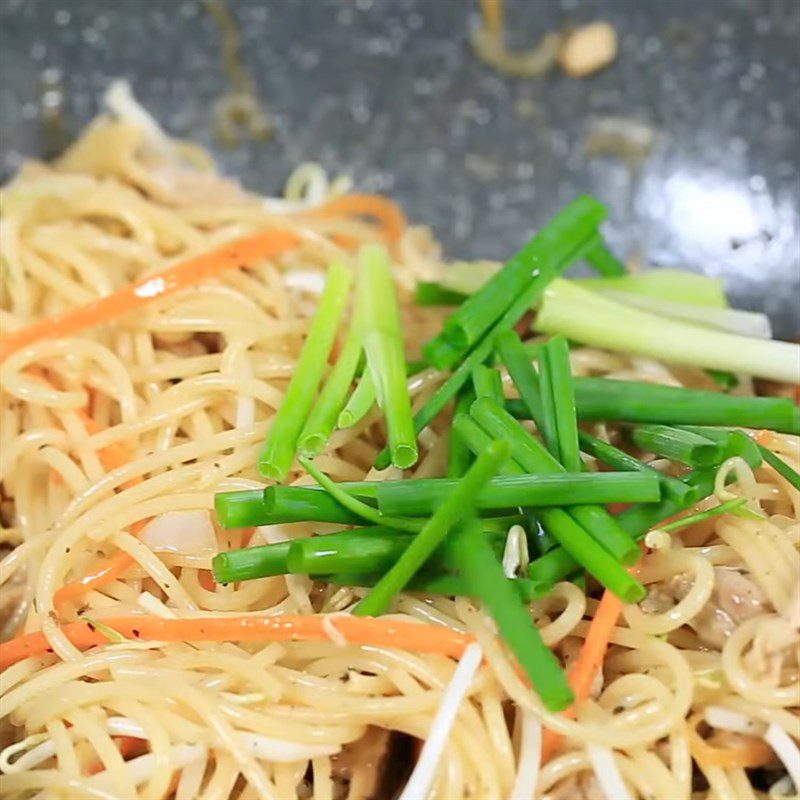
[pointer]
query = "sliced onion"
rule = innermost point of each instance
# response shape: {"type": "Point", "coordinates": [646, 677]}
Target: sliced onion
{"type": "Point", "coordinates": [188, 536]}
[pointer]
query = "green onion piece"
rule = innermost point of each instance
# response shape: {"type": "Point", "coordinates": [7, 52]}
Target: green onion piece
{"type": "Point", "coordinates": [566, 420]}
{"type": "Point", "coordinates": [735, 443]}
{"type": "Point", "coordinates": [723, 508]}
{"type": "Point", "coordinates": [383, 344]}
{"type": "Point", "coordinates": [249, 563]}
{"type": "Point", "coordinates": [620, 460]}
{"type": "Point", "coordinates": [598, 321]}
{"type": "Point", "coordinates": [477, 440]}
{"type": "Point", "coordinates": [517, 358]}
{"type": "Point", "coordinates": [419, 497]}
{"type": "Point", "coordinates": [674, 285]}
{"type": "Point", "coordinates": [434, 294]}
{"type": "Point", "coordinates": [458, 505]}
{"type": "Point", "coordinates": [460, 455]}
{"type": "Point", "coordinates": [559, 239]}
{"type": "Point", "coordinates": [281, 445]}
{"type": "Point", "coordinates": [603, 260]}
{"type": "Point", "coordinates": [484, 575]}
{"type": "Point", "coordinates": [635, 401]}
{"type": "Point", "coordinates": [441, 354]}
{"type": "Point", "coordinates": [599, 525]}
{"type": "Point", "coordinates": [241, 509]}
{"type": "Point", "coordinates": [361, 401]}
{"type": "Point", "coordinates": [440, 583]}
{"type": "Point", "coordinates": [324, 415]}
{"type": "Point", "coordinates": [725, 380]}
{"type": "Point", "coordinates": [780, 466]}
{"type": "Point", "coordinates": [548, 424]}
{"type": "Point", "coordinates": [356, 506]}
{"type": "Point", "coordinates": [541, 540]}
{"type": "Point", "coordinates": [285, 504]}
{"type": "Point", "coordinates": [678, 444]}
{"type": "Point", "coordinates": [488, 383]}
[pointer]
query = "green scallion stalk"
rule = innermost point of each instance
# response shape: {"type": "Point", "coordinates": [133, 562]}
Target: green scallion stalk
{"type": "Point", "coordinates": [517, 358]}
{"type": "Point", "coordinates": [731, 506]}
{"type": "Point", "coordinates": [541, 540]}
{"type": "Point", "coordinates": [488, 383]}
{"type": "Point", "coordinates": [383, 344]}
{"type": "Point", "coordinates": [440, 584]}
{"type": "Point", "coordinates": [324, 415]}
{"type": "Point", "coordinates": [281, 444]}
{"type": "Point", "coordinates": [635, 401]}
{"type": "Point", "coordinates": [457, 506]}
{"type": "Point", "coordinates": [476, 440]}
{"type": "Point", "coordinates": [596, 320]}
{"type": "Point", "coordinates": [558, 240]}
{"type": "Point", "coordinates": [422, 496]}
{"type": "Point", "coordinates": [678, 444]}
{"type": "Point", "coordinates": [356, 506]}
{"type": "Point", "coordinates": [460, 456]}
{"type": "Point", "coordinates": [598, 524]}
{"type": "Point", "coordinates": [548, 425]}
{"type": "Point", "coordinates": [566, 420]}
{"type": "Point", "coordinates": [624, 462]}
{"type": "Point", "coordinates": [434, 294]}
{"type": "Point", "coordinates": [250, 563]}
{"type": "Point", "coordinates": [735, 443]}
{"type": "Point", "coordinates": [603, 260]}
{"type": "Point", "coordinates": [484, 575]}
{"type": "Point", "coordinates": [780, 466]}
{"type": "Point", "coordinates": [360, 402]}
{"type": "Point", "coordinates": [725, 380]}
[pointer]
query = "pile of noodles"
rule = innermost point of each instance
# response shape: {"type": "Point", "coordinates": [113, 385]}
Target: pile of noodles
{"type": "Point", "coordinates": [708, 664]}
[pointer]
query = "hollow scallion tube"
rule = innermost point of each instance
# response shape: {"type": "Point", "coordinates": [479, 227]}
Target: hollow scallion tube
{"type": "Point", "coordinates": [487, 383]}
{"type": "Point", "coordinates": [281, 444]}
{"type": "Point", "coordinates": [359, 403]}
{"type": "Point", "coordinates": [459, 456]}
{"type": "Point", "coordinates": [477, 440]}
{"type": "Point", "coordinates": [566, 420]}
{"type": "Point", "coordinates": [678, 444]}
{"type": "Point", "coordinates": [433, 294]}
{"type": "Point", "coordinates": [422, 496]}
{"type": "Point", "coordinates": [517, 358]}
{"type": "Point", "coordinates": [637, 402]}
{"type": "Point", "coordinates": [780, 466]}
{"type": "Point", "coordinates": [484, 575]}
{"type": "Point", "coordinates": [735, 443]}
{"type": "Point", "coordinates": [547, 424]}
{"type": "Point", "coordinates": [457, 506]}
{"type": "Point", "coordinates": [250, 563]}
{"type": "Point", "coordinates": [383, 344]}
{"type": "Point", "coordinates": [620, 460]}
{"type": "Point", "coordinates": [325, 413]}
{"type": "Point", "coordinates": [528, 451]}
{"type": "Point", "coordinates": [603, 260]}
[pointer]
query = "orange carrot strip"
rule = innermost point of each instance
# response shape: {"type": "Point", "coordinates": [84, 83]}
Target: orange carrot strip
{"type": "Point", "coordinates": [376, 631]}
{"type": "Point", "coordinates": [764, 438]}
{"type": "Point", "coordinates": [136, 295]}
{"type": "Point", "coordinates": [590, 659]}
{"type": "Point", "coordinates": [752, 753]}
{"type": "Point", "coordinates": [387, 213]}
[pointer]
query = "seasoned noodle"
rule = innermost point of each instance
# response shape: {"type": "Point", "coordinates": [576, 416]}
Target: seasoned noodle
{"type": "Point", "coordinates": [104, 433]}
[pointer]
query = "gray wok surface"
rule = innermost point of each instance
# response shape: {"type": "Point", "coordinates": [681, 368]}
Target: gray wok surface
{"type": "Point", "coordinates": [390, 92]}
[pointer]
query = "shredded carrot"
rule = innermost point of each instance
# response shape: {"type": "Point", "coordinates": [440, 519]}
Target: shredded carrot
{"type": "Point", "coordinates": [205, 578]}
{"type": "Point", "coordinates": [590, 660]}
{"type": "Point", "coordinates": [376, 631]}
{"type": "Point", "coordinates": [111, 569]}
{"type": "Point", "coordinates": [180, 276]}
{"type": "Point", "coordinates": [384, 211]}
{"type": "Point", "coordinates": [764, 438]}
{"type": "Point", "coordinates": [752, 752]}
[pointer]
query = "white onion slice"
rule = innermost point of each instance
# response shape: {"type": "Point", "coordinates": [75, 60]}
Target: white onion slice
{"type": "Point", "coordinates": [187, 534]}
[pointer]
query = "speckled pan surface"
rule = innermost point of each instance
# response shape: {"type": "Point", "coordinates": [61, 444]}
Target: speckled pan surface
{"type": "Point", "coordinates": [390, 92]}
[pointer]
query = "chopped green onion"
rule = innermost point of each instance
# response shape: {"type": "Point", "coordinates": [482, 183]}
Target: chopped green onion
{"type": "Point", "coordinates": [422, 496]}
{"type": "Point", "coordinates": [460, 455]}
{"type": "Point", "coordinates": [542, 541]}
{"type": "Point", "coordinates": [635, 401]}
{"type": "Point", "coordinates": [730, 506]}
{"type": "Point", "coordinates": [566, 421]}
{"type": "Point", "coordinates": [488, 383]}
{"type": "Point", "coordinates": [240, 509]}
{"type": "Point", "coordinates": [285, 504]}
{"type": "Point", "coordinates": [599, 525]}
{"type": "Point", "coordinates": [484, 575]}
{"type": "Point", "coordinates": [440, 583]}
{"type": "Point", "coordinates": [620, 460]}
{"type": "Point", "coordinates": [735, 443]}
{"type": "Point", "coordinates": [596, 320]}
{"type": "Point", "coordinates": [324, 415]}
{"type": "Point", "coordinates": [434, 294]}
{"type": "Point", "coordinates": [360, 402]}
{"type": "Point", "coordinates": [458, 505]}
{"type": "Point", "coordinates": [678, 444]}
{"type": "Point", "coordinates": [383, 345]}
{"type": "Point", "coordinates": [281, 445]}
{"type": "Point", "coordinates": [548, 424]}
{"type": "Point", "coordinates": [250, 563]}
{"type": "Point", "coordinates": [725, 380]}
{"type": "Point", "coordinates": [603, 260]}
{"type": "Point", "coordinates": [780, 466]}
{"type": "Point", "coordinates": [356, 506]}
{"type": "Point", "coordinates": [477, 440]}
{"type": "Point", "coordinates": [517, 358]}
{"type": "Point", "coordinates": [564, 234]}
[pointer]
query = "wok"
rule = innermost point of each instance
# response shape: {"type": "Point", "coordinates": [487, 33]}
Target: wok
{"type": "Point", "coordinates": [390, 92]}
